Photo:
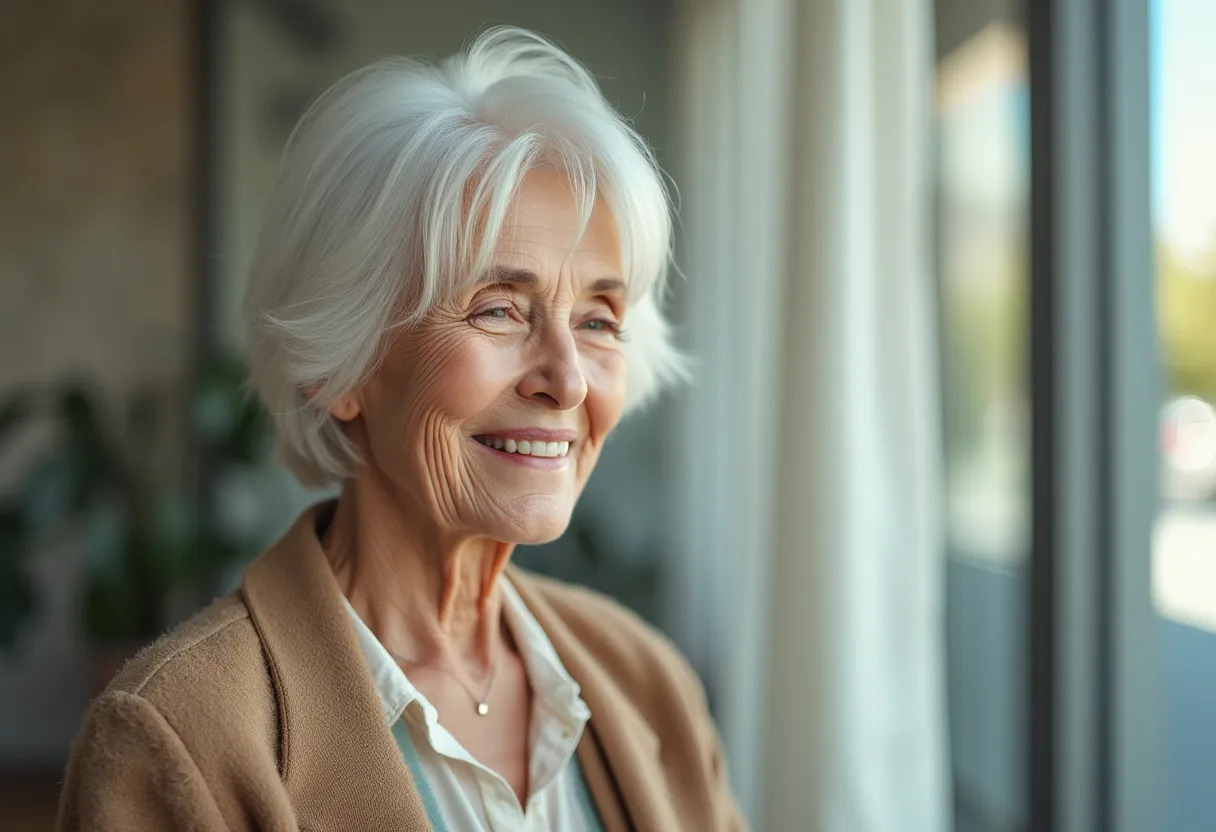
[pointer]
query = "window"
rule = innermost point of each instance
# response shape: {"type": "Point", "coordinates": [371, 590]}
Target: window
{"type": "Point", "coordinates": [982, 257]}
{"type": "Point", "coordinates": [1184, 545]}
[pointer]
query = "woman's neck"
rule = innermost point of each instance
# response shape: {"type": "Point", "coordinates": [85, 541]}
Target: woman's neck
{"type": "Point", "coordinates": [427, 595]}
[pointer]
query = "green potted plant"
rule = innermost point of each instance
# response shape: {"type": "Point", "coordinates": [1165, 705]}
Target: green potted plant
{"type": "Point", "coordinates": [152, 548]}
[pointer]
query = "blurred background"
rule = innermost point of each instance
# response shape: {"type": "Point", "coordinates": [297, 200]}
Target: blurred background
{"type": "Point", "coordinates": [936, 522]}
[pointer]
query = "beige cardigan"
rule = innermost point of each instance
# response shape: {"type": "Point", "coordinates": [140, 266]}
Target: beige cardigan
{"type": "Point", "coordinates": [260, 713]}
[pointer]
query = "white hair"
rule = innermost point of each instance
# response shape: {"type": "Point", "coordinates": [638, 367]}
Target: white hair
{"type": "Point", "coordinates": [391, 195]}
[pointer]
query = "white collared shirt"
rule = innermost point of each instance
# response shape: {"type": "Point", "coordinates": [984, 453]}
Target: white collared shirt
{"type": "Point", "coordinates": [469, 795]}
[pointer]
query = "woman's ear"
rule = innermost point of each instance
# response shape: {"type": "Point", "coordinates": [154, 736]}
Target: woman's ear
{"type": "Point", "coordinates": [345, 407]}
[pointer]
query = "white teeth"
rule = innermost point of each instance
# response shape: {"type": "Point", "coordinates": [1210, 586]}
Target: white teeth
{"type": "Point", "coordinates": [527, 446]}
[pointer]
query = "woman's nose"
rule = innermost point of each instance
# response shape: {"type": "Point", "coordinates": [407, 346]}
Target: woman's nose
{"type": "Point", "coordinates": [556, 377]}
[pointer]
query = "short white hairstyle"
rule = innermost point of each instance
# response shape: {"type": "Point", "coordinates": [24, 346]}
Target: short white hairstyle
{"type": "Point", "coordinates": [391, 194]}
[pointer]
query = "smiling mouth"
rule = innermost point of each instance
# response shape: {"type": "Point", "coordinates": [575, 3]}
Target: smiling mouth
{"type": "Point", "coordinates": [526, 447]}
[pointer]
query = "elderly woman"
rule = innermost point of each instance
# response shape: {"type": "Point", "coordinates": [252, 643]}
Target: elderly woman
{"type": "Point", "coordinates": [454, 301]}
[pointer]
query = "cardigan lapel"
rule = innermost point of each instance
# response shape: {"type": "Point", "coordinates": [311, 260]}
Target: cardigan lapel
{"type": "Point", "coordinates": [339, 761]}
{"type": "Point", "coordinates": [629, 745]}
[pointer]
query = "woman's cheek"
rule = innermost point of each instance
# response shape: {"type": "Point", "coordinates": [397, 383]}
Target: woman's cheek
{"type": "Point", "coordinates": [607, 375]}
{"type": "Point", "coordinates": [472, 378]}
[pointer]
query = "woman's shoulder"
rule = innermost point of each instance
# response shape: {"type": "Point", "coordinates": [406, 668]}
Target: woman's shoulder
{"type": "Point", "coordinates": [219, 639]}
{"type": "Point", "coordinates": [181, 733]}
{"type": "Point", "coordinates": [206, 676]}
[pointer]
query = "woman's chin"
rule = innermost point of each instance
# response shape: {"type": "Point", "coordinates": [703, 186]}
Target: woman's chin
{"type": "Point", "coordinates": [534, 526]}
{"type": "Point", "coordinates": [539, 533]}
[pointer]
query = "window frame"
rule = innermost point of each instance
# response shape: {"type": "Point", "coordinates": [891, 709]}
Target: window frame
{"type": "Point", "coordinates": [1095, 382]}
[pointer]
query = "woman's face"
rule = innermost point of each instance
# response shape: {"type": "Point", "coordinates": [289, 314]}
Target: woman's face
{"type": "Point", "coordinates": [491, 413]}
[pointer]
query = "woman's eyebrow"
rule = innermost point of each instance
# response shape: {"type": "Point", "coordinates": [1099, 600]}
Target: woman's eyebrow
{"type": "Point", "coordinates": [608, 284]}
{"type": "Point", "coordinates": [525, 277]}
{"type": "Point", "coordinates": [507, 274]}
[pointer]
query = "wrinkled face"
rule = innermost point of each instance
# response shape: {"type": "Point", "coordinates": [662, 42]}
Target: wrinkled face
{"type": "Point", "coordinates": [490, 414]}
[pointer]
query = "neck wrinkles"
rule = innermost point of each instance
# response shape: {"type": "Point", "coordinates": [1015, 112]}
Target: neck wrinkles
{"type": "Point", "coordinates": [429, 597]}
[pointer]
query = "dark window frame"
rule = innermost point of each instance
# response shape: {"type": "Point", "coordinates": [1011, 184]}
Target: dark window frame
{"type": "Point", "coordinates": [1095, 384]}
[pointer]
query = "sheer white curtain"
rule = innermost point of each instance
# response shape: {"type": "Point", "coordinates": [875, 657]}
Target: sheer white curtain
{"type": "Point", "coordinates": [808, 559]}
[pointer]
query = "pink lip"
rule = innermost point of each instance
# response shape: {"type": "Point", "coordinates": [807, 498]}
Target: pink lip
{"type": "Point", "coordinates": [533, 434]}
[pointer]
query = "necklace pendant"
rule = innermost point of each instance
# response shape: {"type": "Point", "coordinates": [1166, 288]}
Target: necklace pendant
{"type": "Point", "coordinates": [482, 709]}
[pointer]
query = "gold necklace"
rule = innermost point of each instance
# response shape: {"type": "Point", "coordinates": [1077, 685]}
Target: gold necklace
{"type": "Point", "coordinates": [482, 702]}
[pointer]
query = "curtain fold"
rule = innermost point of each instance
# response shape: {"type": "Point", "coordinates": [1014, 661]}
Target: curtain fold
{"type": "Point", "coordinates": [857, 730]}
{"type": "Point", "coordinates": [814, 322]}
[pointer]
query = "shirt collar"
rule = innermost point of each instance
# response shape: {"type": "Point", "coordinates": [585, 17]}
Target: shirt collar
{"type": "Point", "coordinates": [551, 683]}
{"type": "Point", "coordinates": [554, 688]}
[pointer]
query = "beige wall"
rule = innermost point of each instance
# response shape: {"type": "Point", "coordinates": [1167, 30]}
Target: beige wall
{"type": "Point", "coordinates": [95, 203]}
{"type": "Point", "coordinates": [95, 216]}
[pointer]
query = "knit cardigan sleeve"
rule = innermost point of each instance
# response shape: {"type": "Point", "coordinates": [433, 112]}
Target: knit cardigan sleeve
{"type": "Point", "coordinates": [129, 770]}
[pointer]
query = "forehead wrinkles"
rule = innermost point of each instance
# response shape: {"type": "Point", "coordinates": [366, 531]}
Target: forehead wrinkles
{"type": "Point", "coordinates": [558, 270]}
{"type": "Point", "coordinates": [560, 225]}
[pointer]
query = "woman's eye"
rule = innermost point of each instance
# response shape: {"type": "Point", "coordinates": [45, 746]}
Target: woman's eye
{"type": "Point", "coordinates": [498, 312]}
{"type": "Point", "coordinates": [602, 325]}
